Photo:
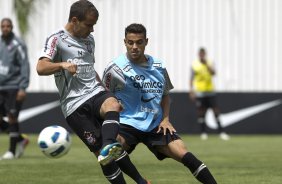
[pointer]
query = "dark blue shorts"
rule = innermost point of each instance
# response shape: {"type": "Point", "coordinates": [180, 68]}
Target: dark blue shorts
{"type": "Point", "coordinates": [151, 139]}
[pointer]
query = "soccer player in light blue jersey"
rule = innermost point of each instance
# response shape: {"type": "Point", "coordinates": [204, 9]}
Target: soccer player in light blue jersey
{"type": "Point", "coordinates": [141, 84]}
{"type": "Point", "coordinates": [90, 110]}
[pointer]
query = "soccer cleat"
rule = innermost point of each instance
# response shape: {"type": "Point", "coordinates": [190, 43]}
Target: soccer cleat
{"type": "Point", "coordinates": [204, 136]}
{"type": "Point", "coordinates": [21, 146]}
{"type": "Point", "coordinates": [109, 153]}
{"type": "Point", "coordinates": [8, 156]}
{"type": "Point", "coordinates": [224, 136]}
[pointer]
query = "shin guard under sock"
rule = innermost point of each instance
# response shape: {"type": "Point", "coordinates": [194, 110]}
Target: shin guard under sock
{"type": "Point", "coordinates": [128, 168]}
{"type": "Point", "coordinates": [110, 128]}
{"type": "Point", "coordinates": [113, 173]}
{"type": "Point", "coordinates": [198, 169]}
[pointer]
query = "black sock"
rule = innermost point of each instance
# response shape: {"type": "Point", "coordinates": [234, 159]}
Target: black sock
{"type": "Point", "coordinates": [128, 168]}
{"type": "Point", "coordinates": [218, 124]}
{"type": "Point", "coordinates": [4, 125]}
{"type": "Point", "coordinates": [14, 136]}
{"type": "Point", "coordinates": [201, 121]}
{"type": "Point", "coordinates": [198, 169]}
{"type": "Point", "coordinates": [113, 173]}
{"type": "Point", "coordinates": [110, 128]}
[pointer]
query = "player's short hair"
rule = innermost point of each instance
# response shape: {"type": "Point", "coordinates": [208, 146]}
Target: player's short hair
{"type": "Point", "coordinates": [202, 50]}
{"type": "Point", "coordinates": [81, 8]}
{"type": "Point", "coordinates": [136, 28]}
{"type": "Point", "coordinates": [8, 20]}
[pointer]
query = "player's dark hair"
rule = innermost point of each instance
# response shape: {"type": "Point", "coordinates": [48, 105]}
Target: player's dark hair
{"type": "Point", "coordinates": [8, 20]}
{"type": "Point", "coordinates": [136, 28]}
{"type": "Point", "coordinates": [81, 8]}
{"type": "Point", "coordinates": [202, 49]}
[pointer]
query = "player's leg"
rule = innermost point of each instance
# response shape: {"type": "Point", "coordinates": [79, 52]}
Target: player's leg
{"type": "Point", "coordinates": [109, 112]}
{"type": "Point", "coordinates": [124, 161]}
{"type": "Point", "coordinates": [88, 130]}
{"type": "Point", "coordinates": [177, 150]}
{"type": "Point", "coordinates": [216, 113]}
{"type": "Point", "coordinates": [106, 109]}
{"type": "Point", "coordinates": [23, 139]}
{"type": "Point", "coordinates": [4, 125]}
{"type": "Point", "coordinates": [14, 134]}
{"type": "Point", "coordinates": [201, 113]}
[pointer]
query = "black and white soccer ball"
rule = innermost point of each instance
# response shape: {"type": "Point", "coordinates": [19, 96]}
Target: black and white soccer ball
{"type": "Point", "coordinates": [54, 141]}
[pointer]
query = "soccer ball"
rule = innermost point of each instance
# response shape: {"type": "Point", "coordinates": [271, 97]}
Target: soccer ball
{"type": "Point", "coordinates": [54, 141]}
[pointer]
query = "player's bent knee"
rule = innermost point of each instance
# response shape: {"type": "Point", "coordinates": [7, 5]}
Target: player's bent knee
{"type": "Point", "coordinates": [111, 104]}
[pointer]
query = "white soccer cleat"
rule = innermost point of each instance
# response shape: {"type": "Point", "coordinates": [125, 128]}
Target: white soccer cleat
{"type": "Point", "coordinates": [8, 156]}
{"type": "Point", "coordinates": [21, 146]}
{"type": "Point", "coordinates": [224, 136]}
{"type": "Point", "coordinates": [204, 136]}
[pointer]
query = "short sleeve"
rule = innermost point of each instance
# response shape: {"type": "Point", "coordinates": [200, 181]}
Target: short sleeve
{"type": "Point", "coordinates": [50, 47]}
{"type": "Point", "coordinates": [168, 84]}
{"type": "Point", "coordinates": [113, 78]}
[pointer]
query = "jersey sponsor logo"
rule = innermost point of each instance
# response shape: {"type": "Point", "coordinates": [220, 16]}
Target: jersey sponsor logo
{"type": "Point", "coordinates": [53, 45]}
{"type": "Point", "coordinates": [146, 109]}
{"type": "Point", "coordinates": [228, 119]}
{"type": "Point", "coordinates": [146, 100]}
{"type": "Point", "coordinates": [83, 70]}
{"type": "Point", "coordinates": [146, 86]}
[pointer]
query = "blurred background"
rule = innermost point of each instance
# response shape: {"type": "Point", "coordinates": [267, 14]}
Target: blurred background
{"type": "Point", "coordinates": [242, 37]}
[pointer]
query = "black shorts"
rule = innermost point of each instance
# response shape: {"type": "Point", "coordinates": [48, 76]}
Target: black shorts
{"type": "Point", "coordinates": [86, 122]}
{"type": "Point", "coordinates": [206, 102]}
{"type": "Point", "coordinates": [151, 139]}
{"type": "Point", "coordinates": [9, 103]}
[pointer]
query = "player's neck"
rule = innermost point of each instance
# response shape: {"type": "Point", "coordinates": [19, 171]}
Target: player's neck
{"type": "Point", "coordinates": [142, 61]}
{"type": "Point", "coordinates": [69, 29]}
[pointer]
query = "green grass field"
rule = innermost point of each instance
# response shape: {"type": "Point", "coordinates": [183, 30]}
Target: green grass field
{"type": "Point", "coordinates": [242, 160]}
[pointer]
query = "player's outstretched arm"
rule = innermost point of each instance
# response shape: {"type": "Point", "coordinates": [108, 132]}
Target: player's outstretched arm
{"type": "Point", "coordinates": [165, 124]}
{"type": "Point", "coordinates": [46, 67]}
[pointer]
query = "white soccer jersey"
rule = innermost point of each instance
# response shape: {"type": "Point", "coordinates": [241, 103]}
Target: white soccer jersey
{"type": "Point", "coordinates": [75, 89]}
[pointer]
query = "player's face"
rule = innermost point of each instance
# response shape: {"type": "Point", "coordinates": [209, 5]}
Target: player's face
{"type": "Point", "coordinates": [202, 55]}
{"type": "Point", "coordinates": [135, 44]}
{"type": "Point", "coordinates": [82, 29]}
{"type": "Point", "coordinates": [6, 28]}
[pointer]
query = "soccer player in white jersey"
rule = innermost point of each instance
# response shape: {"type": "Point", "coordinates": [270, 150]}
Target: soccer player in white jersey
{"type": "Point", "coordinates": [90, 110]}
{"type": "Point", "coordinates": [141, 84]}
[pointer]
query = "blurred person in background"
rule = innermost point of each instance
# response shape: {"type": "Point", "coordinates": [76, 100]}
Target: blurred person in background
{"type": "Point", "coordinates": [203, 94]}
{"type": "Point", "coordinates": [14, 79]}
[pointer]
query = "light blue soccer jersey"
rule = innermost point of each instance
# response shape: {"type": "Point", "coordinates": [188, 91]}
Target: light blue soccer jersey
{"type": "Point", "coordinates": [139, 89]}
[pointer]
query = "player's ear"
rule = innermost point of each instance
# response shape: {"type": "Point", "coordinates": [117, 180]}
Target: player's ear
{"type": "Point", "coordinates": [146, 41]}
{"type": "Point", "coordinates": [74, 20]}
{"type": "Point", "coordinates": [124, 41]}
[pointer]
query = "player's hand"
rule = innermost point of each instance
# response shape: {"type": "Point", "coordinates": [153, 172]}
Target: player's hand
{"type": "Point", "coordinates": [70, 67]}
{"type": "Point", "coordinates": [165, 126]}
{"type": "Point", "coordinates": [21, 95]}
